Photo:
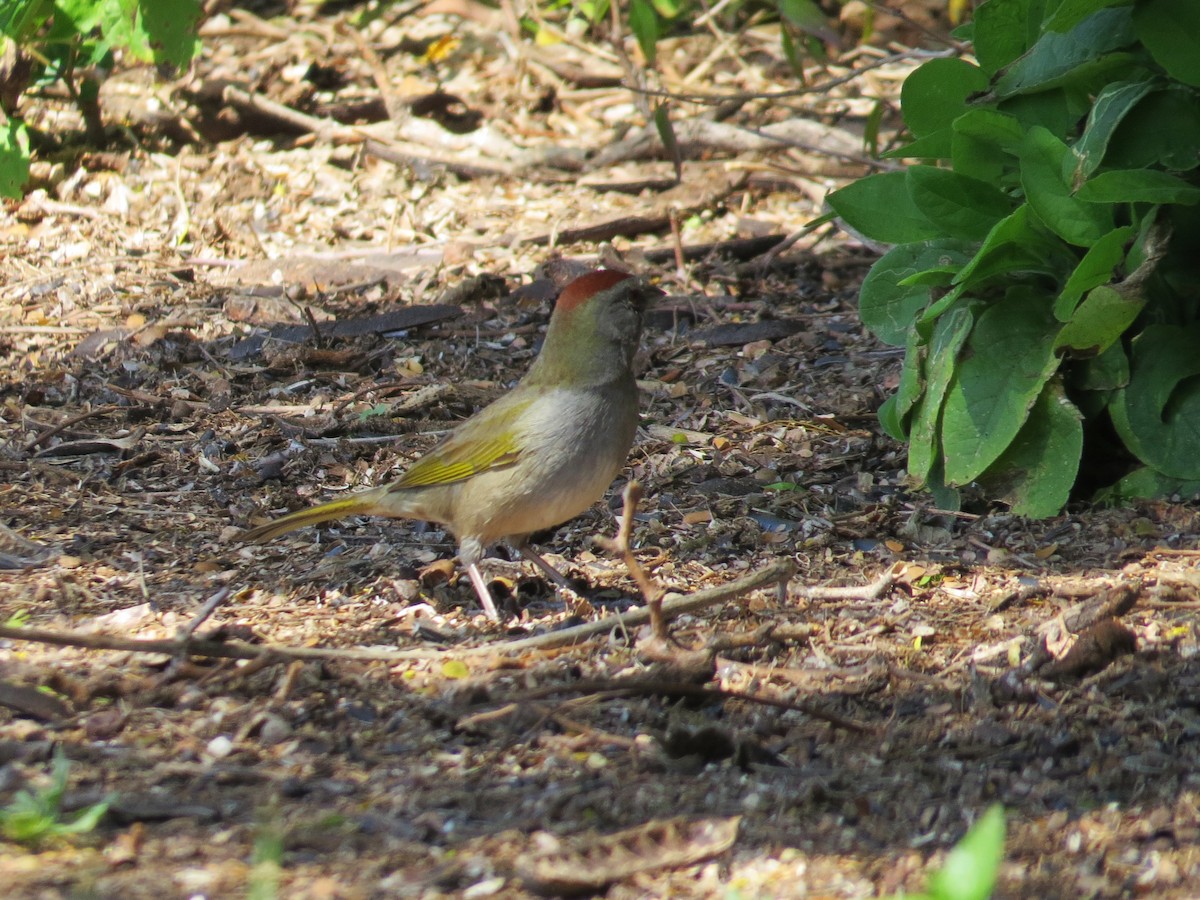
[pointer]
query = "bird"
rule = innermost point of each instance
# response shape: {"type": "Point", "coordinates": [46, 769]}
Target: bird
{"type": "Point", "coordinates": [539, 455]}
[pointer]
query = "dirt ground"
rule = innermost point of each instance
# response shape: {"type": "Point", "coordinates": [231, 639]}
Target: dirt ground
{"type": "Point", "coordinates": [211, 321]}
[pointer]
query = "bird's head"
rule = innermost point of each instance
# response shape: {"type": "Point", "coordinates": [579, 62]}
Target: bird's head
{"type": "Point", "coordinates": [595, 328]}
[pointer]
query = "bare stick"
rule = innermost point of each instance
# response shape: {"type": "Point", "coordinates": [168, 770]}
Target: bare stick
{"type": "Point", "coordinates": [653, 593]}
{"type": "Point", "coordinates": [42, 438]}
{"type": "Point", "coordinates": [872, 591]}
{"type": "Point", "coordinates": [184, 634]}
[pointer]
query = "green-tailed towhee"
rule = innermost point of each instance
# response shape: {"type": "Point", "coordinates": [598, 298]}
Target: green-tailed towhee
{"type": "Point", "coordinates": [539, 455]}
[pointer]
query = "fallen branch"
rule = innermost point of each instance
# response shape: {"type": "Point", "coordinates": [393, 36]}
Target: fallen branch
{"type": "Point", "coordinates": [778, 571]}
{"type": "Point", "coordinates": [654, 687]}
{"type": "Point", "coordinates": [682, 201]}
{"type": "Point", "coordinates": [334, 131]}
{"type": "Point", "coordinates": [872, 591]}
{"type": "Point", "coordinates": [697, 137]}
{"type": "Point", "coordinates": [672, 607]}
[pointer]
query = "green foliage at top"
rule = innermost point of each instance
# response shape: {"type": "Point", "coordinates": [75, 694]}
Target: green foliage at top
{"type": "Point", "coordinates": [63, 37]}
{"type": "Point", "coordinates": [1044, 278]}
{"type": "Point", "coordinates": [84, 32]}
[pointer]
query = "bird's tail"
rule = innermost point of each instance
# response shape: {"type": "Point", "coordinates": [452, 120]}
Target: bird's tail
{"type": "Point", "coordinates": [356, 504]}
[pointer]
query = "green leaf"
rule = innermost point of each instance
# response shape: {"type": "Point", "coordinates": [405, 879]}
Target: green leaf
{"type": "Point", "coordinates": [21, 19]}
{"type": "Point", "coordinates": [14, 158]}
{"type": "Point", "coordinates": [880, 207]}
{"type": "Point", "coordinates": [1071, 12]}
{"type": "Point", "coordinates": [889, 309]}
{"type": "Point", "coordinates": [783, 486]}
{"type": "Point", "coordinates": [1035, 474]}
{"type": "Point", "coordinates": [804, 14]}
{"type": "Point", "coordinates": [1084, 54]}
{"type": "Point", "coordinates": [984, 144]}
{"type": "Point", "coordinates": [1152, 234]}
{"type": "Point", "coordinates": [666, 133]}
{"type": "Point", "coordinates": [941, 362]}
{"type": "Point", "coordinates": [1110, 108]}
{"type": "Point", "coordinates": [168, 28]}
{"type": "Point", "coordinates": [1104, 373]}
{"type": "Point", "coordinates": [379, 409]}
{"type": "Point", "coordinates": [889, 418]}
{"type": "Point", "coordinates": [1162, 130]}
{"type": "Point", "coordinates": [1057, 111]}
{"type": "Point", "coordinates": [1096, 268]}
{"type": "Point", "coordinates": [1158, 414]}
{"type": "Point", "coordinates": [911, 385]}
{"type": "Point", "coordinates": [1099, 320]}
{"type": "Point", "coordinates": [936, 94]}
{"type": "Point", "coordinates": [1005, 29]}
{"type": "Point", "coordinates": [1138, 186]}
{"type": "Point", "coordinates": [938, 145]}
{"type": "Point", "coordinates": [18, 619]}
{"type": "Point", "coordinates": [935, 276]}
{"type": "Point", "coordinates": [1147, 484]}
{"type": "Point", "coordinates": [944, 497]}
{"type": "Point", "coordinates": [87, 819]}
{"type": "Point", "coordinates": [959, 206]}
{"type": "Point", "coordinates": [1015, 243]}
{"type": "Point", "coordinates": [1046, 164]}
{"type": "Point", "coordinates": [970, 870]}
{"type": "Point", "coordinates": [996, 128]}
{"type": "Point", "coordinates": [119, 27]}
{"type": "Point", "coordinates": [794, 60]}
{"type": "Point", "coordinates": [81, 15]}
{"type": "Point", "coordinates": [1170, 29]}
{"type": "Point", "coordinates": [871, 126]}
{"type": "Point", "coordinates": [1008, 359]}
{"type": "Point", "coordinates": [32, 817]}
{"type": "Point", "coordinates": [595, 12]}
{"type": "Point", "coordinates": [643, 22]}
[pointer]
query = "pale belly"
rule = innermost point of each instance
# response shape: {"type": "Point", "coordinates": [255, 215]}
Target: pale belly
{"type": "Point", "coordinates": [571, 461]}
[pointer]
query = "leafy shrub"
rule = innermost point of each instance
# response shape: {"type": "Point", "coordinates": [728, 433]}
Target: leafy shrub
{"type": "Point", "coordinates": [57, 39]}
{"type": "Point", "coordinates": [1045, 282]}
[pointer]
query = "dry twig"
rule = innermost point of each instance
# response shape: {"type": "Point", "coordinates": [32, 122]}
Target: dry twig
{"type": "Point", "coordinates": [872, 591]}
{"type": "Point", "coordinates": [651, 592]}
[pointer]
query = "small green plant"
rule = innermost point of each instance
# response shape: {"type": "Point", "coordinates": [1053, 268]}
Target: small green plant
{"type": "Point", "coordinates": [970, 870]}
{"type": "Point", "coordinates": [36, 817]}
{"type": "Point", "coordinates": [1042, 282]}
{"type": "Point", "coordinates": [267, 864]}
{"type": "Point", "coordinates": [14, 157]}
{"type": "Point", "coordinates": [379, 409]}
{"type": "Point", "coordinates": [62, 40]}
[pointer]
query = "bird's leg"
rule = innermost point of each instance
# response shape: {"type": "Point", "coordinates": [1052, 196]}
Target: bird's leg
{"type": "Point", "coordinates": [481, 588]}
{"type": "Point", "coordinates": [548, 570]}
